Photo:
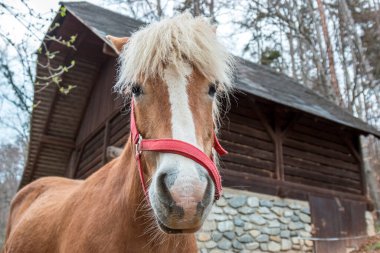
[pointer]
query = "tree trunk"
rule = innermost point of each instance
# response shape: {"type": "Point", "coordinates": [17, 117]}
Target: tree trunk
{"type": "Point", "coordinates": [330, 54]}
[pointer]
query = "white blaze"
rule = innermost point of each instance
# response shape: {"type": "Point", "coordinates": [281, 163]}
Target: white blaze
{"type": "Point", "coordinates": [182, 122]}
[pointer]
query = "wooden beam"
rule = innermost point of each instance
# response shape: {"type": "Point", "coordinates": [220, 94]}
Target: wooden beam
{"type": "Point", "coordinates": [250, 182]}
{"type": "Point", "coordinates": [105, 142]}
{"type": "Point", "coordinates": [59, 141]}
{"type": "Point", "coordinates": [279, 149]}
{"type": "Point", "coordinates": [359, 157]}
{"type": "Point", "coordinates": [291, 123]}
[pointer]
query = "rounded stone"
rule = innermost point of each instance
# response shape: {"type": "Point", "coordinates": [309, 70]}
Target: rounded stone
{"type": "Point", "coordinates": [275, 238]}
{"type": "Point", "coordinates": [216, 251]}
{"type": "Point", "coordinates": [279, 203]}
{"type": "Point", "coordinates": [228, 195]}
{"type": "Point", "coordinates": [237, 245]}
{"type": "Point", "coordinates": [224, 244]}
{"type": "Point", "coordinates": [254, 233]}
{"type": "Point", "coordinates": [229, 235]}
{"type": "Point", "coordinates": [253, 202]}
{"type": "Point", "coordinates": [257, 219]}
{"type": "Point", "coordinates": [252, 246]}
{"type": "Point", "coordinates": [238, 222]}
{"type": "Point", "coordinates": [209, 225]}
{"type": "Point", "coordinates": [225, 226]}
{"type": "Point", "coordinates": [285, 234]}
{"type": "Point", "coordinates": [237, 201]}
{"type": "Point", "coordinates": [286, 244]}
{"type": "Point", "coordinates": [304, 217]}
{"type": "Point", "coordinates": [246, 210]}
{"type": "Point", "coordinates": [248, 226]}
{"type": "Point", "coordinates": [210, 244]}
{"type": "Point", "coordinates": [277, 210]}
{"type": "Point", "coordinates": [296, 225]}
{"type": "Point", "coordinates": [309, 243]}
{"type": "Point", "coordinates": [305, 210]}
{"type": "Point", "coordinates": [262, 238]}
{"type": "Point", "coordinates": [246, 238]}
{"type": "Point", "coordinates": [266, 203]}
{"type": "Point", "coordinates": [288, 213]}
{"type": "Point", "coordinates": [221, 202]}
{"type": "Point", "coordinates": [203, 237]}
{"type": "Point", "coordinates": [239, 231]}
{"type": "Point", "coordinates": [263, 210]}
{"type": "Point", "coordinates": [216, 236]}
{"type": "Point", "coordinates": [307, 228]}
{"type": "Point", "coordinates": [294, 206]}
{"type": "Point", "coordinates": [274, 224]}
{"type": "Point", "coordinates": [203, 251]}
{"type": "Point", "coordinates": [274, 247]}
{"type": "Point", "coordinates": [269, 216]}
{"type": "Point", "coordinates": [229, 210]}
{"type": "Point", "coordinates": [216, 209]}
{"type": "Point", "coordinates": [219, 217]}
{"type": "Point", "coordinates": [295, 218]}
{"type": "Point", "coordinates": [264, 246]}
{"type": "Point", "coordinates": [271, 231]}
{"type": "Point", "coordinates": [284, 220]}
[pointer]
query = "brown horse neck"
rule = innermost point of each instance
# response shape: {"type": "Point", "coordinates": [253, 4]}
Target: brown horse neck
{"type": "Point", "coordinates": [122, 182]}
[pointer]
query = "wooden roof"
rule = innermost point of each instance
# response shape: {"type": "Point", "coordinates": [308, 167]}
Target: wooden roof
{"type": "Point", "coordinates": [56, 119]}
{"type": "Point", "coordinates": [252, 78]}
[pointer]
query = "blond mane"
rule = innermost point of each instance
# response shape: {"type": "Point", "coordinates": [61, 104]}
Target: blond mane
{"type": "Point", "coordinates": [170, 41]}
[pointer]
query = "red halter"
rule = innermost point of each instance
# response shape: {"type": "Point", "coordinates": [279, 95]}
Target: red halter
{"type": "Point", "coordinates": [176, 147]}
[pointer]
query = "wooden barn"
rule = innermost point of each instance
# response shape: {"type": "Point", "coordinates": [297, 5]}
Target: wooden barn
{"type": "Point", "coordinates": [283, 138]}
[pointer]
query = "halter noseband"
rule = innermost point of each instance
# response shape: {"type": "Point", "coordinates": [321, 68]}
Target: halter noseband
{"type": "Point", "coordinates": [176, 147]}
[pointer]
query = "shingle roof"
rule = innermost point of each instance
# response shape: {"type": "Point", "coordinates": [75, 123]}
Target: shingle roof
{"type": "Point", "coordinates": [252, 78]}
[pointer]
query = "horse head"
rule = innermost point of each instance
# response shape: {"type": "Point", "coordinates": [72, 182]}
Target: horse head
{"type": "Point", "coordinates": [177, 73]}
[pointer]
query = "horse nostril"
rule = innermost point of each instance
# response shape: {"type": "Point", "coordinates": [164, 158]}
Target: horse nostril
{"type": "Point", "coordinates": [165, 181]}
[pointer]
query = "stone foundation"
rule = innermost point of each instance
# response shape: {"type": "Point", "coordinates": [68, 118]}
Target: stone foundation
{"type": "Point", "coordinates": [242, 221]}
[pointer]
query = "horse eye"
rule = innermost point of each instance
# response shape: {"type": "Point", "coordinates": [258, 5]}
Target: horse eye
{"type": "Point", "coordinates": [212, 90]}
{"type": "Point", "coordinates": [136, 90]}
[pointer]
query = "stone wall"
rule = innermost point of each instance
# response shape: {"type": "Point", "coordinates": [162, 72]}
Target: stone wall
{"type": "Point", "coordinates": [243, 221]}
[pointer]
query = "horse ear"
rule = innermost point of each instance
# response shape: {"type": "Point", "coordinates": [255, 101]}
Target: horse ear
{"type": "Point", "coordinates": [118, 43]}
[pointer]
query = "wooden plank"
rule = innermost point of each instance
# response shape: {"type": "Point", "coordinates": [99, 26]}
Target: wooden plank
{"type": "Point", "coordinates": [321, 177]}
{"type": "Point", "coordinates": [314, 183]}
{"type": "Point", "coordinates": [247, 150]}
{"type": "Point", "coordinates": [317, 141]}
{"type": "Point", "coordinates": [249, 161]}
{"type": "Point", "coordinates": [246, 140]}
{"type": "Point", "coordinates": [247, 169]}
{"type": "Point", "coordinates": [318, 150]}
{"type": "Point", "coordinates": [106, 142]}
{"type": "Point", "coordinates": [244, 120]}
{"type": "Point", "coordinates": [56, 140]}
{"type": "Point", "coordinates": [248, 131]}
{"type": "Point", "coordinates": [317, 133]}
{"type": "Point", "coordinates": [321, 159]}
{"type": "Point", "coordinates": [327, 170]}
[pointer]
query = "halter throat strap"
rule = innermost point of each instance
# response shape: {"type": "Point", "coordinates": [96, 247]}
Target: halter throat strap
{"type": "Point", "coordinates": [175, 147]}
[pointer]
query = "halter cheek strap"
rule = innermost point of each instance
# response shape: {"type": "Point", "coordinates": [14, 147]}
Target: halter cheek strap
{"type": "Point", "coordinates": [176, 147]}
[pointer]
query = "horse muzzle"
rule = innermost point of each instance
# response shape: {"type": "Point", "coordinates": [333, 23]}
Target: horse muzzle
{"type": "Point", "coordinates": [181, 200]}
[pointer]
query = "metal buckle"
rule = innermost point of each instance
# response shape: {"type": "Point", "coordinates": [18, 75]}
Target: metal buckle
{"type": "Point", "coordinates": [137, 146]}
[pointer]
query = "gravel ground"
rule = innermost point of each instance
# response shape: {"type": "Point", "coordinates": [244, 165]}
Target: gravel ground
{"type": "Point", "coordinates": [372, 244]}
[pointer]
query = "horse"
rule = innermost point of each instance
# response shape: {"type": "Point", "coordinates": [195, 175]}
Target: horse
{"type": "Point", "coordinates": [159, 191]}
